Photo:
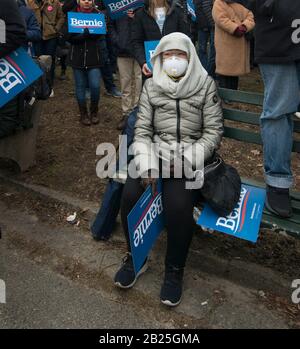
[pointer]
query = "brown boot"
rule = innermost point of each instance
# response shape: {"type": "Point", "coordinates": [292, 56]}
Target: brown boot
{"type": "Point", "coordinates": [84, 116]}
{"type": "Point", "coordinates": [94, 114]}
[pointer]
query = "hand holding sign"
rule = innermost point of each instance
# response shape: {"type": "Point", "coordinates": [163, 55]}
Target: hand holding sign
{"type": "Point", "coordinates": [146, 71]}
{"type": "Point", "coordinates": [93, 22]}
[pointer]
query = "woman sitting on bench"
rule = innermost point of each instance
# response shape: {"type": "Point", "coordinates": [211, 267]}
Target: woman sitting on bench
{"type": "Point", "coordinates": [179, 108]}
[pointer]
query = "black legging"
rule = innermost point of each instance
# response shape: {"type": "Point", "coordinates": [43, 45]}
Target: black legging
{"type": "Point", "coordinates": [178, 204]}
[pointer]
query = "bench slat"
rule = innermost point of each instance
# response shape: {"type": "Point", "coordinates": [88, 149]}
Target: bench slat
{"type": "Point", "coordinates": [241, 96]}
{"type": "Point", "coordinates": [250, 137]}
{"type": "Point", "coordinates": [241, 116]}
{"type": "Point", "coordinates": [250, 118]}
{"type": "Point", "coordinates": [290, 227]}
{"type": "Point", "coordinates": [242, 135]}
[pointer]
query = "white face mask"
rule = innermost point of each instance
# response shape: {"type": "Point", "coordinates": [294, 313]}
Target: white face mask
{"type": "Point", "coordinates": [175, 66]}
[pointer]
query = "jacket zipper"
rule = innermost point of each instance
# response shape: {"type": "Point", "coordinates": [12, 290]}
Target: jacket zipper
{"type": "Point", "coordinates": [178, 120]}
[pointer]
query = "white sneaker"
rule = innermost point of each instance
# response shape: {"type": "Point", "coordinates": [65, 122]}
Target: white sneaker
{"type": "Point", "coordinates": [297, 114]}
{"type": "Point", "coordinates": [51, 94]}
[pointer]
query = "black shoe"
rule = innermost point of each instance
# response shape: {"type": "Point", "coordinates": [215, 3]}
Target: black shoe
{"type": "Point", "coordinates": [122, 124]}
{"type": "Point", "coordinates": [278, 201]}
{"type": "Point", "coordinates": [114, 93]}
{"type": "Point", "coordinates": [125, 276]}
{"type": "Point", "coordinates": [171, 290]}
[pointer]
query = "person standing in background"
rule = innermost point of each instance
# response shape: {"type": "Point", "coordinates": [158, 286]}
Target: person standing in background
{"type": "Point", "coordinates": [87, 55]}
{"type": "Point", "coordinates": [156, 19]}
{"type": "Point", "coordinates": [15, 36]}
{"type": "Point", "coordinates": [51, 19]}
{"type": "Point", "coordinates": [33, 30]}
{"type": "Point", "coordinates": [277, 52]}
{"type": "Point", "coordinates": [232, 21]}
{"type": "Point", "coordinates": [206, 35]}
{"type": "Point", "coordinates": [129, 69]}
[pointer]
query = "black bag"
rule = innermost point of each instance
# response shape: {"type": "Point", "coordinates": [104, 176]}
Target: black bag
{"type": "Point", "coordinates": [222, 186]}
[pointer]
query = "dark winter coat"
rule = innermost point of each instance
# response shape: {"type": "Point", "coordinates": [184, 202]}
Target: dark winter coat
{"type": "Point", "coordinates": [145, 28]}
{"type": "Point", "coordinates": [204, 14]}
{"type": "Point", "coordinates": [33, 30]}
{"type": "Point", "coordinates": [277, 35]}
{"type": "Point", "coordinates": [87, 50]}
{"type": "Point", "coordinates": [14, 27]}
{"type": "Point", "coordinates": [120, 34]}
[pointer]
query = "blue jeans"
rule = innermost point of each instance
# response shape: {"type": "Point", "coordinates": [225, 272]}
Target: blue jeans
{"type": "Point", "coordinates": [87, 78]}
{"type": "Point", "coordinates": [281, 100]}
{"type": "Point", "coordinates": [207, 58]}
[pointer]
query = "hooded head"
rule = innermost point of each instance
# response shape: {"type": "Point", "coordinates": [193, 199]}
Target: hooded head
{"type": "Point", "coordinates": [182, 62]}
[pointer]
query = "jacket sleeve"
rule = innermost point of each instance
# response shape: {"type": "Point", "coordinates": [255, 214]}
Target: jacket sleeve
{"type": "Point", "coordinates": [113, 32]}
{"type": "Point", "coordinates": [249, 21]}
{"type": "Point", "coordinates": [137, 39]}
{"type": "Point", "coordinates": [60, 18]}
{"type": "Point", "coordinates": [183, 26]}
{"type": "Point", "coordinates": [207, 6]}
{"type": "Point", "coordinates": [14, 27]}
{"type": "Point", "coordinates": [144, 154]}
{"type": "Point", "coordinates": [221, 17]}
{"type": "Point", "coordinates": [212, 128]}
{"type": "Point", "coordinates": [33, 28]}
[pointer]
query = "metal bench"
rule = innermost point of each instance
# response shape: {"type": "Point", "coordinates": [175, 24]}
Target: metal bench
{"type": "Point", "coordinates": [239, 133]}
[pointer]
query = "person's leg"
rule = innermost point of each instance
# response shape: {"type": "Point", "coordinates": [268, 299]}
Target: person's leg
{"type": "Point", "coordinates": [125, 66]}
{"type": "Point", "coordinates": [211, 66]}
{"type": "Point", "coordinates": [63, 65]}
{"type": "Point", "coordinates": [298, 74]}
{"type": "Point", "coordinates": [94, 76]}
{"type": "Point", "coordinates": [203, 36]}
{"type": "Point", "coordinates": [280, 102]}
{"type": "Point", "coordinates": [224, 81]}
{"type": "Point", "coordinates": [49, 48]}
{"type": "Point", "coordinates": [234, 82]}
{"type": "Point", "coordinates": [125, 276]}
{"type": "Point", "coordinates": [9, 118]}
{"type": "Point", "coordinates": [107, 76]}
{"type": "Point", "coordinates": [138, 83]}
{"type": "Point", "coordinates": [178, 203]}
{"type": "Point", "coordinates": [81, 82]}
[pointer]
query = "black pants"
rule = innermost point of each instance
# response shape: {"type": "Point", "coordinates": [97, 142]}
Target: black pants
{"type": "Point", "coordinates": [178, 204]}
{"type": "Point", "coordinates": [9, 118]}
{"type": "Point", "coordinates": [47, 47]}
{"type": "Point", "coordinates": [231, 82]}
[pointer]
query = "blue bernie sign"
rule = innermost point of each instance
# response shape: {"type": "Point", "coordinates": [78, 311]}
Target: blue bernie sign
{"type": "Point", "coordinates": [150, 47]}
{"type": "Point", "coordinates": [17, 72]}
{"type": "Point", "coordinates": [145, 223]}
{"type": "Point", "coordinates": [244, 220]}
{"type": "Point", "coordinates": [118, 8]}
{"type": "Point", "coordinates": [95, 22]}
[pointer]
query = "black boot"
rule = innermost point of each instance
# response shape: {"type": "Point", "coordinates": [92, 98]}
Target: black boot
{"type": "Point", "coordinates": [171, 290]}
{"type": "Point", "coordinates": [122, 124]}
{"type": "Point", "coordinates": [278, 201]}
{"type": "Point", "coordinates": [84, 116]}
{"type": "Point", "coordinates": [94, 114]}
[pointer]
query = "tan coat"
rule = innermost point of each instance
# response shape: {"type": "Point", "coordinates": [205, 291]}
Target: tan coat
{"type": "Point", "coordinates": [50, 17]}
{"type": "Point", "coordinates": [232, 53]}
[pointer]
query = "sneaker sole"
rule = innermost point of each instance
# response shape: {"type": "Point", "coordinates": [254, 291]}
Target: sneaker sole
{"type": "Point", "coordinates": [169, 303]}
{"type": "Point", "coordinates": [142, 270]}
